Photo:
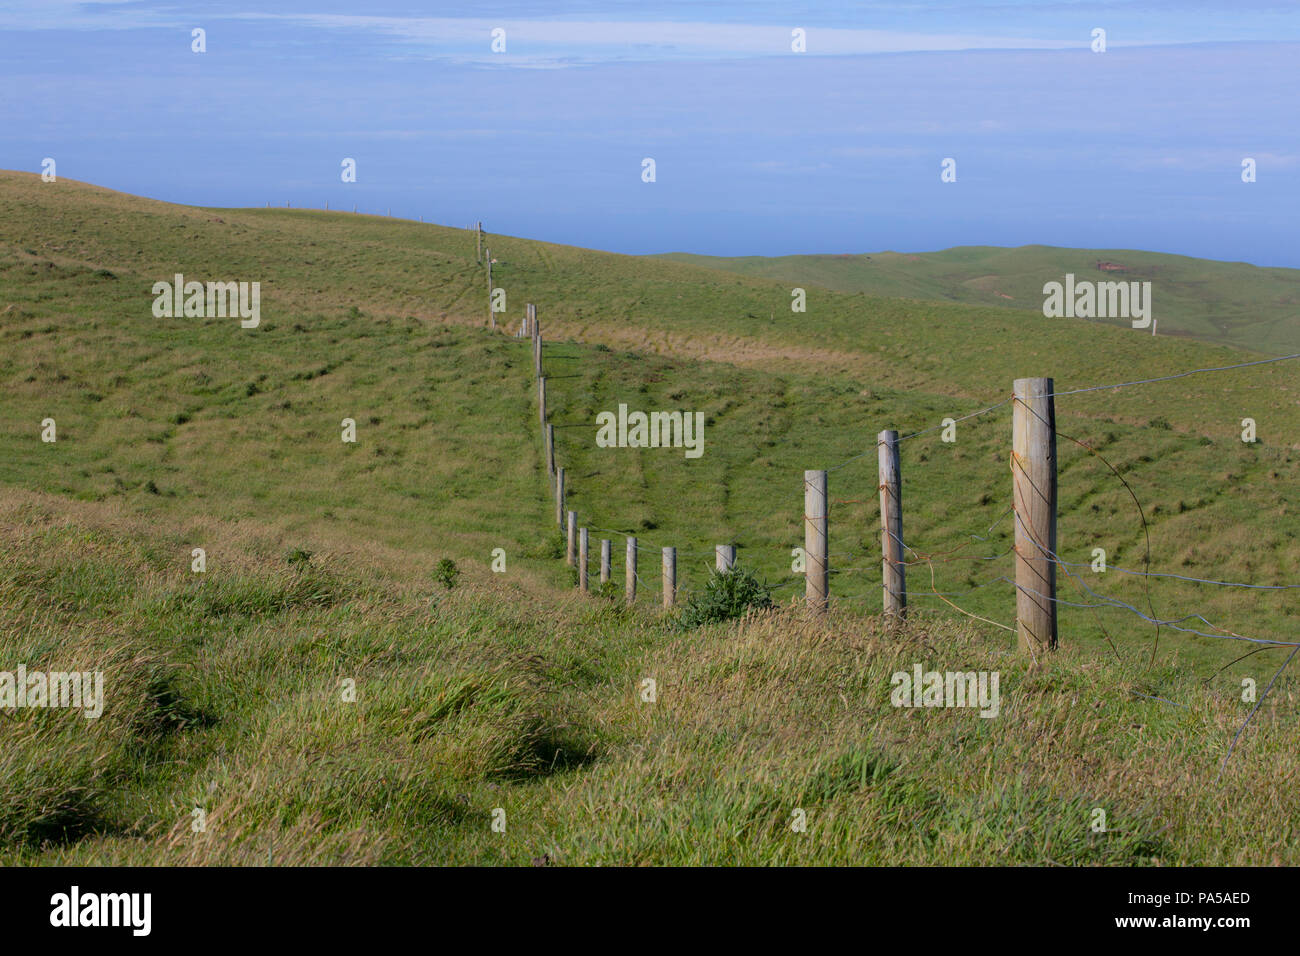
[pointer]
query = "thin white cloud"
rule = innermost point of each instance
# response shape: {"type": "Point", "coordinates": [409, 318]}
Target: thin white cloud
{"type": "Point", "coordinates": [603, 39]}
{"type": "Point", "coordinates": [1209, 160]}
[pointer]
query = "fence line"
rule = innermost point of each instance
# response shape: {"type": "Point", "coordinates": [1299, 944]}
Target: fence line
{"type": "Point", "coordinates": [1034, 471]}
{"type": "Point", "coordinates": [936, 558]}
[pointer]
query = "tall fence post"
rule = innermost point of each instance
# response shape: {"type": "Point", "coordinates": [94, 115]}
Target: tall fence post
{"type": "Point", "coordinates": [559, 497]}
{"type": "Point", "coordinates": [816, 569]}
{"type": "Point", "coordinates": [541, 400]}
{"type": "Point", "coordinates": [550, 450]}
{"type": "Point", "coordinates": [582, 558]}
{"type": "Point", "coordinates": [724, 557]}
{"type": "Point", "coordinates": [891, 525]}
{"type": "Point", "coordinates": [569, 556]}
{"type": "Point", "coordinates": [629, 572]}
{"type": "Point", "coordinates": [537, 355]}
{"type": "Point", "coordinates": [670, 577]}
{"type": "Point", "coordinates": [606, 560]}
{"type": "Point", "coordinates": [1033, 474]}
{"type": "Point", "coordinates": [492, 319]}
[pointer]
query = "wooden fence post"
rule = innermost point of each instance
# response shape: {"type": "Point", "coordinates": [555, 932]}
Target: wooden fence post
{"type": "Point", "coordinates": [816, 570]}
{"type": "Point", "coordinates": [569, 555]}
{"type": "Point", "coordinates": [629, 571]}
{"type": "Point", "coordinates": [891, 525]}
{"type": "Point", "coordinates": [550, 451]}
{"type": "Point", "coordinates": [670, 577]}
{"type": "Point", "coordinates": [541, 400]}
{"type": "Point", "coordinates": [559, 496]}
{"type": "Point", "coordinates": [724, 557]}
{"type": "Point", "coordinates": [537, 355]}
{"type": "Point", "coordinates": [1033, 474]}
{"type": "Point", "coordinates": [606, 560]}
{"type": "Point", "coordinates": [582, 558]}
{"type": "Point", "coordinates": [492, 319]}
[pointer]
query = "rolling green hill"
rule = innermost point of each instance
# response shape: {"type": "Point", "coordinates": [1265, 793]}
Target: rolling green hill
{"type": "Point", "coordinates": [1234, 303]}
{"type": "Point", "coordinates": [511, 690]}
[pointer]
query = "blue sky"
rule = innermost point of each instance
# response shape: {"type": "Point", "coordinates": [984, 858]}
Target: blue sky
{"type": "Point", "coordinates": [759, 150]}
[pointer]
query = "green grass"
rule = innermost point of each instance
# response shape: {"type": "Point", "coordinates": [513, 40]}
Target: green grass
{"type": "Point", "coordinates": [225, 694]}
{"type": "Point", "coordinates": [511, 691]}
{"type": "Point", "coordinates": [1233, 303]}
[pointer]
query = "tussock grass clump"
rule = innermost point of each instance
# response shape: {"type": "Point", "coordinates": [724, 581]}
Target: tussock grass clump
{"type": "Point", "coordinates": [60, 771]}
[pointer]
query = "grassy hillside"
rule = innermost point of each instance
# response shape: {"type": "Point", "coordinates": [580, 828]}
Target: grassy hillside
{"type": "Point", "coordinates": [183, 433]}
{"type": "Point", "coordinates": [1233, 303]}
{"type": "Point", "coordinates": [225, 696]}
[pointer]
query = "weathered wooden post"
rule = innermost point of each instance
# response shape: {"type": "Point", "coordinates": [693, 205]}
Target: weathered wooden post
{"type": "Point", "coordinates": [492, 319]}
{"type": "Point", "coordinates": [537, 355]}
{"type": "Point", "coordinates": [670, 577]}
{"type": "Point", "coordinates": [891, 525]}
{"type": "Point", "coordinates": [582, 558]}
{"type": "Point", "coordinates": [570, 556]}
{"type": "Point", "coordinates": [541, 400]}
{"type": "Point", "coordinates": [1033, 474]}
{"type": "Point", "coordinates": [559, 496]}
{"type": "Point", "coordinates": [724, 557]}
{"type": "Point", "coordinates": [629, 572]}
{"type": "Point", "coordinates": [816, 570]}
{"type": "Point", "coordinates": [605, 560]}
{"type": "Point", "coordinates": [550, 451]}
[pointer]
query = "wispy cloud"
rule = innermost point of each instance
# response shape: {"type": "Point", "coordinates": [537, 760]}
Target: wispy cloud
{"type": "Point", "coordinates": [532, 42]}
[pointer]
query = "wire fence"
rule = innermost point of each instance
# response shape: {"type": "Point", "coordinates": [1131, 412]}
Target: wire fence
{"type": "Point", "coordinates": [840, 566]}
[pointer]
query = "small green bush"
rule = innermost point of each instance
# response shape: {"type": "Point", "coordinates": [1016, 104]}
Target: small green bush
{"type": "Point", "coordinates": [446, 573]}
{"type": "Point", "coordinates": [726, 596]}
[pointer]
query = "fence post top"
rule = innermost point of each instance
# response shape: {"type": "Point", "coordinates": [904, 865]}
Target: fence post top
{"type": "Point", "coordinates": [1033, 387]}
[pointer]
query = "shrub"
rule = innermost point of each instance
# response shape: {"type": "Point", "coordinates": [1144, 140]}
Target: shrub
{"type": "Point", "coordinates": [446, 573]}
{"type": "Point", "coordinates": [297, 556]}
{"type": "Point", "coordinates": [726, 596]}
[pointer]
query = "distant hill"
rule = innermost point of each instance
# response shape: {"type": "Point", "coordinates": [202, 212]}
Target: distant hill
{"type": "Point", "coordinates": [1232, 303]}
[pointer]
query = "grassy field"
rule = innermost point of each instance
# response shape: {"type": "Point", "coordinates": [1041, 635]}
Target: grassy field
{"type": "Point", "coordinates": [511, 691]}
{"type": "Point", "coordinates": [1233, 303]}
